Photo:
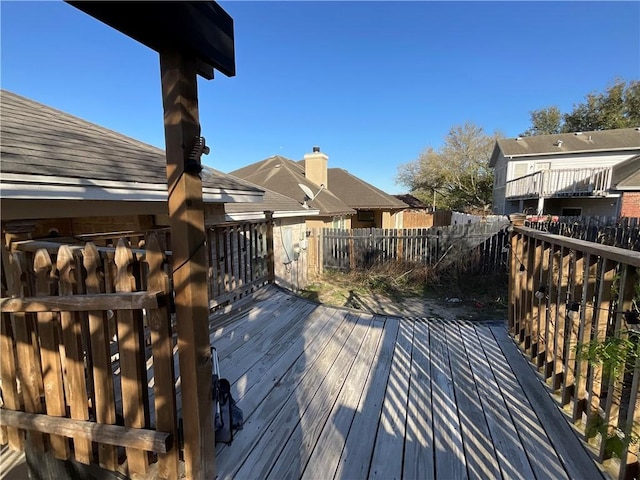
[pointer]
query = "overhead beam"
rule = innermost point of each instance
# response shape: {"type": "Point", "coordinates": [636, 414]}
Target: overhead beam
{"type": "Point", "coordinates": [201, 29]}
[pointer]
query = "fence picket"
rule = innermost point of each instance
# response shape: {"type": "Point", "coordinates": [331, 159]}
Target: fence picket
{"type": "Point", "coordinates": [48, 328]}
{"type": "Point", "coordinates": [478, 247]}
{"type": "Point", "coordinates": [133, 373]}
{"type": "Point", "coordinates": [104, 397]}
{"type": "Point", "coordinates": [74, 354]}
{"type": "Point", "coordinates": [163, 367]}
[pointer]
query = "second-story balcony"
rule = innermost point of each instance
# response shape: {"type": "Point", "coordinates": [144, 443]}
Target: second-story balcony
{"type": "Point", "coordinates": [568, 182]}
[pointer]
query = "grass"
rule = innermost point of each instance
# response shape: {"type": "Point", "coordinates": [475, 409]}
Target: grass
{"type": "Point", "coordinates": [478, 295]}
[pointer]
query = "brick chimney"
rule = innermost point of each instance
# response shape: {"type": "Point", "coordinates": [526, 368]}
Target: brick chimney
{"type": "Point", "coordinates": [315, 167]}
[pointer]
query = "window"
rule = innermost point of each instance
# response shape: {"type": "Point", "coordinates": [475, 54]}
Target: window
{"type": "Point", "coordinates": [520, 170]}
{"type": "Point", "coordinates": [338, 222]}
{"type": "Point", "coordinates": [366, 216]}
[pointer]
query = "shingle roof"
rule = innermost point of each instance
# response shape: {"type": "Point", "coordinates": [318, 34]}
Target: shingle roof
{"type": "Point", "coordinates": [412, 201]}
{"type": "Point", "coordinates": [345, 192]}
{"type": "Point", "coordinates": [40, 140]}
{"type": "Point", "coordinates": [283, 176]}
{"type": "Point", "coordinates": [272, 201]}
{"type": "Point", "coordinates": [359, 194]}
{"type": "Point", "coordinates": [626, 175]}
{"type": "Point", "coordinates": [580, 142]}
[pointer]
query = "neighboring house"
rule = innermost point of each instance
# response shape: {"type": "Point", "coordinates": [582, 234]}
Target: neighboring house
{"type": "Point", "coordinates": [65, 176]}
{"type": "Point", "coordinates": [61, 173]}
{"type": "Point", "coordinates": [289, 234]}
{"type": "Point", "coordinates": [626, 181]}
{"type": "Point", "coordinates": [561, 174]}
{"type": "Point", "coordinates": [343, 200]}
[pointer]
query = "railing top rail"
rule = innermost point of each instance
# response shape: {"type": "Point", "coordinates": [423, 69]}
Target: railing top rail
{"type": "Point", "coordinates": [616, 254]}
{"type": "Point", "coordinates": [525, 176]}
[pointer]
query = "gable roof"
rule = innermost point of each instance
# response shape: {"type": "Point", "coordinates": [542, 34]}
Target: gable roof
{"type": "Point", "coordinates": [626, 175]}
{"type": "Point", "coordinates": [580, 142]}
{"type": "Point", "coordinates": [283, 176]}
{"type": "Point", "coordinates": [47, 153]}
{"type": "Point", "coordinates": [359, 194]}
{"type": "Point", "coordinates": [281, 206]}
{"type": "Point", "coordinates": [412, 201]}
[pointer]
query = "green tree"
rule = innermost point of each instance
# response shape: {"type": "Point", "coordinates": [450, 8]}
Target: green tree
{"type": "Point", "coordinates": [544, 121]}
{"type": "Point", "coordinates": [617, 107]}
{"type": "Point", "coordinates": [457, 174]}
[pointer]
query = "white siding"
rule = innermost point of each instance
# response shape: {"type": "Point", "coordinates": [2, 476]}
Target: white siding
{"type": "Point", "coordinates": [557, 162]}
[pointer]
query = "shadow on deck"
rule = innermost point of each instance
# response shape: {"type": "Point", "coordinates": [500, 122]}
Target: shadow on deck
{"type": "Point", "coordinates": [336, 393]}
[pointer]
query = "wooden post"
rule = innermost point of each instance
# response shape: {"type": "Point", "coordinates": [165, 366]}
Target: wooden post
{"type": "Point", "coordinates": [271, 264]}
{"type": "Point", "coordinates": [186, 214]}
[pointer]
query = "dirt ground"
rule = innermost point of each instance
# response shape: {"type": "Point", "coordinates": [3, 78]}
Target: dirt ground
{"type": "Point", "coordinates": [476, 299]}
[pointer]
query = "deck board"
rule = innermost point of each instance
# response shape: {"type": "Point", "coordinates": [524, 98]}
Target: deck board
{"type": "Point", "coordinates": [315, 407]}
{"type": "Point", "coordinates": [419, 452]}
{"type": "Point", "coordinates": [511, 456]}
{"type": "Point", "coordinates": [386, 461]}
{"type": "Point", "coordinates": [479, 450]}
{"type": "Point", "coordinates": [347, 395]}
{"type": "Point", "coordinates": [343, 394]}
{"type": "Point", "coordinates": [449, 451]}
{"type": "Point", "coordinates": [358, 449]}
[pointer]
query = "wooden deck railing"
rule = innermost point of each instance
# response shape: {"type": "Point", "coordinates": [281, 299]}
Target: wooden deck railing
{"type": "Point", "coordinates": [574, 312]}
{"type": "Point", "coordinates": [238, 256]}
{"type": "Point", "coordinates": [75, 355]}
{"type": "Point", "coordinates": [568, 182]}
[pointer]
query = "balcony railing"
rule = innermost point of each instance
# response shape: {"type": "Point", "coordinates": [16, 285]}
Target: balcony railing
{"type": "Point", "coordinates": [569, 182]}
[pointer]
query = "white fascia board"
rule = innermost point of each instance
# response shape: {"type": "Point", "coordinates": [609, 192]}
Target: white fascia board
{"type": "Point", "coordinates": [573, 152]}
{"type": "Point", "coordinates": [240, 217]}
{"type": "Point", "coordinates": [296, 213]}
{"type": "Point", "coordinates": [44, 187]}
{"type": "Point", "coordinates": [261, 216]}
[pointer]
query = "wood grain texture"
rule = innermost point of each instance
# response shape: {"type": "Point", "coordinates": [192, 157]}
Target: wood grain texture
{"type": "Point", "coordinates": [80, 303]}
{"type": "Point", "coordinates": [104, 398]}
{"type": "Point", "coordinates": [150, 440]}
{"type": "Point", "coordinates": [133, 382]}
{"type": "Point", "coordinates": [74, 355]}
{"type": "Point", "coordinates": [48, 328]}
{"type": "Point", "coordinates": [386, 461]}
{"type": "Point", "coordinates": [163, 371]}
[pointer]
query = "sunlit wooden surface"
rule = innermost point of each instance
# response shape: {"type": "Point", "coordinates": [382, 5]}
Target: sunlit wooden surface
{"type": "Point", "coordinates": [334, 393]}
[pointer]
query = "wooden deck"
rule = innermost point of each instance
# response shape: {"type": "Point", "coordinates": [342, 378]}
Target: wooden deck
{"type": "Point", "coordinates": [333, 393]}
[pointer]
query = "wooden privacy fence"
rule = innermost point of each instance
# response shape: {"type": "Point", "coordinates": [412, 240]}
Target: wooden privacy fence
{"type": "Point", "coordinates": [574, 313]}
{"type": "Point", "coordinates": [476, 246]}
{"type": "Point", "coordinates": [623, 234]}
{"type": "Point", "coordinates": [83, 332]}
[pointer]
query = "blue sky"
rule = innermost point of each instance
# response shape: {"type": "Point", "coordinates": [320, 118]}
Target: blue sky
{"type": "Point", "coordinates": [371, 83]}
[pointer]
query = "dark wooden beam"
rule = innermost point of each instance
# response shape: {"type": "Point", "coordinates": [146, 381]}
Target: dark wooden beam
{"type": "Point", "coordinates": [189, 261]}
{"type": "Point", "coordinates": [200, 29]}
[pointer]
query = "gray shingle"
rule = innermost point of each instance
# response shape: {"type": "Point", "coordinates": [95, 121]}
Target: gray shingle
{"type": "Point", "coordinates": [582, 142]}
{"type": "Point", "coordinates": [40, 140]}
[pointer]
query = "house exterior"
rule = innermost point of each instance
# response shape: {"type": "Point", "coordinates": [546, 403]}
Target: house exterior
{"type": "Point", "coordinates": [61, 173]}
{"type": "Point", "coordinates": [566, 174]}
{"type": "Point", "coordinates": [64, 176]}
{"type": "Point", "coordinates": [626, 181]}
{"type": "Point", "coordinates": [289, 234]}
{"type": "Point", "coordinates": [343, 200]}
